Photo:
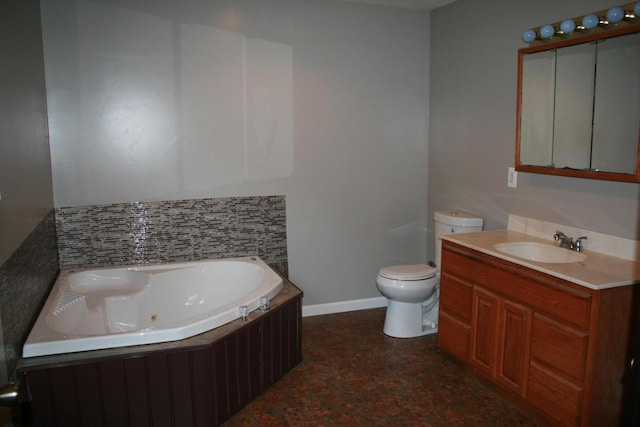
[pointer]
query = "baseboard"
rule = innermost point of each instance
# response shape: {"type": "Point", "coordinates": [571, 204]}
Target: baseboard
{"type": "Point", "coordinates": [343, 306]}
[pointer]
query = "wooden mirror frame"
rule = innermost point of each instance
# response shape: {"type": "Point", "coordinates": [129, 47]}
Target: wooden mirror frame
{"type": "Point", "coordinates": [622, 28]}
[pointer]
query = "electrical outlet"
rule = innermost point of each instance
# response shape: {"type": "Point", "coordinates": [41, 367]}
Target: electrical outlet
{"type": "Point", "coordinates": [512, 178]}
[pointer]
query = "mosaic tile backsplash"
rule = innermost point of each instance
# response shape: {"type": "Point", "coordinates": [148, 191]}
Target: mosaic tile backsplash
{"type": "Point", "coordinates": [25, 281]}
{"type": "Point", "coordinates": [172, 231]}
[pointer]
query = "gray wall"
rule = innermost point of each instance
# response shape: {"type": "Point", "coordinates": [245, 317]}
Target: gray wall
{"type": "Point", "coordinates": [474, 48]}
{"type": "Point", "coordinates": [28, 253]}
{"type": "Point", "coordinates": [25, 165]}
{"type": "Point", "coordinates": [323, 102]}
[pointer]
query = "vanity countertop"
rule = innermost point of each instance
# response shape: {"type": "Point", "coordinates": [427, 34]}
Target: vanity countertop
{"type": "Point", "coordinates": [597, 272]}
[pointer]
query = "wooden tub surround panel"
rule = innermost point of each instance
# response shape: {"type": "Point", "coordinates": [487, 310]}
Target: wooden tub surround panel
{"type": "Point", "coordinates": [199, 381]}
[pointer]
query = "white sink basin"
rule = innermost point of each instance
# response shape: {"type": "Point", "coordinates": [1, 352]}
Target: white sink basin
{"type": "Point", "coordinates": [540, 252]}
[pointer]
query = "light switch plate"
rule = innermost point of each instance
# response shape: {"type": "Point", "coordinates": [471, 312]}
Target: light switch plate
{"type": "Point", "coordinates": [512, 178]}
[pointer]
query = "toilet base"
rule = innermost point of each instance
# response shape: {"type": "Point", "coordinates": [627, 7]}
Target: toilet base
{"type": "Point", "coordinates": [404, 320]}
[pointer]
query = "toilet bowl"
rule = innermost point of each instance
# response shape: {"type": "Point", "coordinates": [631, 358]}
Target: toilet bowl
{"type": "Point", "coordinates": [408, 288]}
{"type": "Point", "coordinates": [413, 290]}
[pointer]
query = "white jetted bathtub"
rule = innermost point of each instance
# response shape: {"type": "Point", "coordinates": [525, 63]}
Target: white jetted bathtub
{"type": "Point", "coordinates": [117, 307]}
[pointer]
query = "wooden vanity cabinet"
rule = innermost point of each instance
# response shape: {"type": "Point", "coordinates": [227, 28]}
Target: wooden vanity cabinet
{"type": "Point", "coordinates": [560, 349]}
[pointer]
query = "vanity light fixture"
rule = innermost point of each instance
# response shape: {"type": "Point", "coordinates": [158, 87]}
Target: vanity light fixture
{"type": "Point", "coordinates": [616, 14]}
{"type": "Point", "coordinates": [602, 20]}
{"type": "Point", "coordinates": [568, 26]}
{"type": "Point", "coordinates": [592, 20]}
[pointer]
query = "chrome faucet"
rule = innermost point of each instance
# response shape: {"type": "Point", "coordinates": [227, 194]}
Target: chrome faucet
{"type": "Point", "coordinates": [567, 242]}
{"type": "Point", "coordinates": [578, 246]}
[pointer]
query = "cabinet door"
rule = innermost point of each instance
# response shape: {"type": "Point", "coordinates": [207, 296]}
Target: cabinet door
{"type": "Point", "coordinates": [513, 345]}
{"type": "Point", "coordinates": [484, 330]}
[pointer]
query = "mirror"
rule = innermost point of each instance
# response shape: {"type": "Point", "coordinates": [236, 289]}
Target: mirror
{"type": "Point", "coordinates": [579, 106]}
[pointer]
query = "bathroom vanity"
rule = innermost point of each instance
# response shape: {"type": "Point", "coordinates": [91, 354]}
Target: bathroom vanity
{"type": "Point", "coordinates": [555, 337]}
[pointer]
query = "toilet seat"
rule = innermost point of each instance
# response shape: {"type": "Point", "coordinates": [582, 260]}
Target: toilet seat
{"type": "Point", "coordinates": [408, 272]}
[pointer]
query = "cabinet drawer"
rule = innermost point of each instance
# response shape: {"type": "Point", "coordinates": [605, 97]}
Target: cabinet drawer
{"type": "Point", "coordinates": [453, 335]}
{"type": "Point", "coordinates": [557, 398]}
{"type": "Point", "coordinates": [455, 297]}
{"type": "Point", "coordinates": [559, 346]}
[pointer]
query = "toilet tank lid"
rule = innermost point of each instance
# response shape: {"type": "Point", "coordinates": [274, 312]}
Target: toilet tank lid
{"type": "Point", "coordinates": [457, 218]}
{"type": "Point", "coordinates": [408, 272]}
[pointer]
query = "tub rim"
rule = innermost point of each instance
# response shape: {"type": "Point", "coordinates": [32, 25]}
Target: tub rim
{"type": "Point", "coordinates": [39, 343]}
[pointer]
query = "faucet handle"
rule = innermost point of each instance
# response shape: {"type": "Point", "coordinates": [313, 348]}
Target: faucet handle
{"type": "Point", "coordinates": [579, 246]}
{"type": "Point", "coordinates": [559, 235]}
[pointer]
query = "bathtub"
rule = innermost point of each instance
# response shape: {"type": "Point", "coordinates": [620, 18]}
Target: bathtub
{"type": "Point", "coordinates": [144, 304]}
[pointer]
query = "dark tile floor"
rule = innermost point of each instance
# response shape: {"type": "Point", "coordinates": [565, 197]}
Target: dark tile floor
{"type": "Point", "coordinates": [353, 374]}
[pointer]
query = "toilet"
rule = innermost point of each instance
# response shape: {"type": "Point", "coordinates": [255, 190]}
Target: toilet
{"type": "Point", "coordinates": [413, 291]}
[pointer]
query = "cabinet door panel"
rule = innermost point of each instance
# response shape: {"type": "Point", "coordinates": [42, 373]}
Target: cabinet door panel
{"type": "Point", "coordinates": [484, 330]}
{"type": "Point", "coordinates": [559, 346]}
{"type": "Point", "coordinates": [453, 335]}
{"type": "Point", "coordinates": [513, 345]}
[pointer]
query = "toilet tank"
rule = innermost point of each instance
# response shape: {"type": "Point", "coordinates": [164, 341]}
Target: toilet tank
{"type": "Point", "coordinates": [448, 222]}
